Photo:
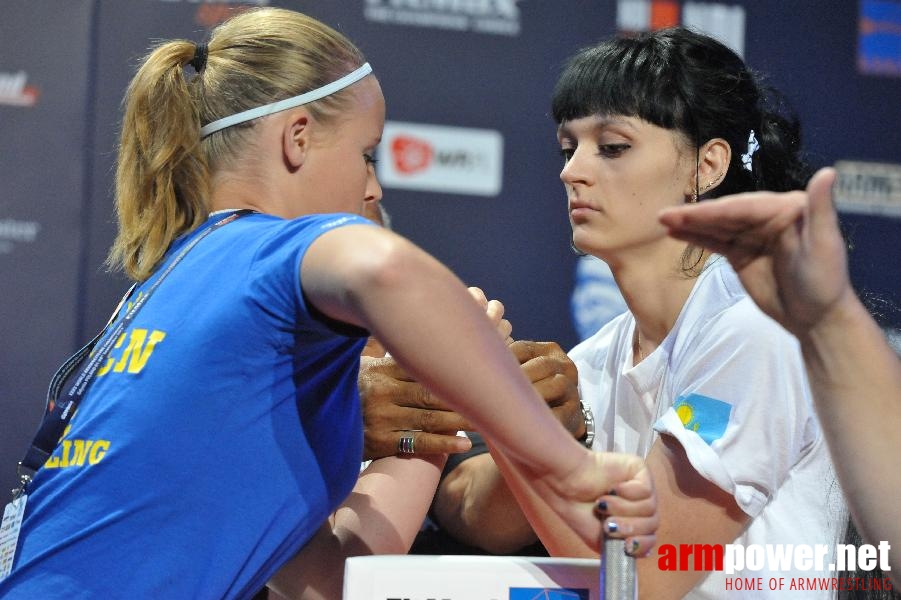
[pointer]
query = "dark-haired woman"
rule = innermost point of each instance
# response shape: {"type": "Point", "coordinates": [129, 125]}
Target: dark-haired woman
{"type": "Point", "coordinates": [693, 376]}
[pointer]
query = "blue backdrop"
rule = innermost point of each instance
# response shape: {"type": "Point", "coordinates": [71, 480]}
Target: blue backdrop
{"type": "Point", "coordinates": [480, 65]}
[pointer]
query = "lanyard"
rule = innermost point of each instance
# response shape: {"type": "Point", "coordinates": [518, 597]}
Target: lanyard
{"type": "Point", "coordinates": [59, 412]}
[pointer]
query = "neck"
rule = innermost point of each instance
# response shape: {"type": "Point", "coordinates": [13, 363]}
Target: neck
{"type": "Point", "coordinates": [655, 292]}
{"type": "Point", "coordinates": [234, 194]}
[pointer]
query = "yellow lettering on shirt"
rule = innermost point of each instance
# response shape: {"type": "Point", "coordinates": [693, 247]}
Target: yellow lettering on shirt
{"type": "Point", "coordinates": [74, 453]}
{"type": "Point", "coordinates": [98, 451]}
{"type": "Point", "coordinates": [109, 361]}
{"type": "Point", "coordinates": [80, 452]}
{"type": "Point", "coordinates": [139, 357]}
{"type": "Point", "coordinates": [77, 453]}
{"type": "Point", "coordinates": [64, 460]}
{"type": "Point", "coordinates": [135, 356]}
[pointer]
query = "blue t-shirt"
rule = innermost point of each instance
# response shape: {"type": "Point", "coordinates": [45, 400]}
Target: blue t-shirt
{"type": "Point", "coordinates": [218, 436]}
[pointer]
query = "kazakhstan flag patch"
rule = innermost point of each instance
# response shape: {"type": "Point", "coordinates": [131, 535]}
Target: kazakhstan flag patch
{"type": "Point", "coordinates": [708, 417]}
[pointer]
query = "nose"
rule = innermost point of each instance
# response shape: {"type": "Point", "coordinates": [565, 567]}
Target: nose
{"type": "Point", "coordinates": [576, 171]}
{"type": "Point", "coordinates": [373, 191]}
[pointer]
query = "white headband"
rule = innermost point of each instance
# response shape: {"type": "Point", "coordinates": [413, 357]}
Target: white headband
{"type": "Point", "coordinates": [305, 98]}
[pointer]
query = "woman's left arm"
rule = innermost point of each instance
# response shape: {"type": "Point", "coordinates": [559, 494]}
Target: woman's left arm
{"type": "Point", "coordinates": [692, 510]}
{"type": "Point", "coordinates": [381, 516]}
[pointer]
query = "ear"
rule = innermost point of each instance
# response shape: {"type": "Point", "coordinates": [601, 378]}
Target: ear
{"type": "Point", "coordinates": [296, 134]}
{"type": "Point", "coordinates": [713, 163]}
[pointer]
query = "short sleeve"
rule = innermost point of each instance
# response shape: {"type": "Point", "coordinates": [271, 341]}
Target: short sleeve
{"type": "Point", "coordinates": [741, 406]}
{"type": "Point", "coordinates": [275, 274]}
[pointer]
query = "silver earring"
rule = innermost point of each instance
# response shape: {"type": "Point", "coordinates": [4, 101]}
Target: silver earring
{"type": "Point", "coordinates": [712, 183]}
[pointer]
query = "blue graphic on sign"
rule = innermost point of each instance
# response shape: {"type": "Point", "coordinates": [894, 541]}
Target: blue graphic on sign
{"type": "Point", "coordinates": [595, 299]}
{"type": "Point", "coordinates": [879, 41]}
{"type": "Point", "coordinates": [548, 594]}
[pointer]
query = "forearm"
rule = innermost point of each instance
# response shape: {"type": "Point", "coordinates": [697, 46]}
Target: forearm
{"type": "Point", "coordinates": [856, 381]}
{"type": "Point", "coordinates": [558, 538]}
{"type": "Point", "coordinates": [480, 386]}
{"type": "Point", "coordinates": [388, 505]}
{"type": "Point", "coordinates": [475, 506]}
{"type": "Point", "coordinates": [381, 516]}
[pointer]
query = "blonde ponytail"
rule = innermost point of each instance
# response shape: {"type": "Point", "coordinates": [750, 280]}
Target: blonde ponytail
{"type": "Point", "coordinates": [162, 180]}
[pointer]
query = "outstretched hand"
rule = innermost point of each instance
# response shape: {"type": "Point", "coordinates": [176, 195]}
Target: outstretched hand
{"type": "Point", "coordinates": [786, 247]}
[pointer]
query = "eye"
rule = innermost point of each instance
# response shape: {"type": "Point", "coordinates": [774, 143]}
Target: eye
{"type": "Point", "coordinates": [612, 150]}
{"type": "Point", "coordinates": [567, 154]}
{"type": "Point", "coordinates": [369, 159]}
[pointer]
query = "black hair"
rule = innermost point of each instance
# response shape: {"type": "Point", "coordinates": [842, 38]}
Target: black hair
{"type": "Point", "coordinates": [685, 81]}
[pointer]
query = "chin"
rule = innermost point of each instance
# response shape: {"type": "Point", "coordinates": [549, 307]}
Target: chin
{"type": "Point", "coordinates": [584, 241]}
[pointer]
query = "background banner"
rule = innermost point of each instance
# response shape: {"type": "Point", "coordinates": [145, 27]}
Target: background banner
{"type": "Point", "coordinates": [46, 83]}
{"type": "Point", "coordinates": [470, 171]}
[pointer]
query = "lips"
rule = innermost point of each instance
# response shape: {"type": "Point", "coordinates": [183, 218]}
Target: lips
{"type": "Point", "coordinates": [578, 204]}
{"type": "Point", "coordinates": [579, 209]}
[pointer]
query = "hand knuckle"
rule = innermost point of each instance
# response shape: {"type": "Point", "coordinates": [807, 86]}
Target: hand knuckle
{"type": "Point", "coordinates": [424, 399]}
{"type": "Point", "coordinates": [426, 420]}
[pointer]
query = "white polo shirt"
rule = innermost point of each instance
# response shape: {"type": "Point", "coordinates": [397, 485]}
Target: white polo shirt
{"type": "Point", "coordinates": [729, 384]}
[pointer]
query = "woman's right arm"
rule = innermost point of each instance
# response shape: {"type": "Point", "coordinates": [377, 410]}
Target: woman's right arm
{"type": "Point", "coordinates": [426, 319]}
{"type": "Point", "coordinates": [473, 503]}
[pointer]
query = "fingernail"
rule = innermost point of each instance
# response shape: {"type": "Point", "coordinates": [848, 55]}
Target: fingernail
{"type": "Point", "coordinates": [612, 527]}
{"type": "Point", "coordinates": [633, 548]}
{"type": "Point", "coordinates": [602, 506]}
{"type": "Point", "coordinates": [462, 444]}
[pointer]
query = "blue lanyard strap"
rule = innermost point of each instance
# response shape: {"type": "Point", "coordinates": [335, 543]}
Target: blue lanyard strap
{"type": "Point", "coordinates": [58, 413]}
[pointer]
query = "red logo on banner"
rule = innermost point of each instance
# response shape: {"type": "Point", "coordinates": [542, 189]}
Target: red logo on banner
{"type": "Point", "coordinates": [411, 154]}
{"type": "Point", "coordinates": [647, 15]}
{"type": "Point", "coordinates": [664, 13]}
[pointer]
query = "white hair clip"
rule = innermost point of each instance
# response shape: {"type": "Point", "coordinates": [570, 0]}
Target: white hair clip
{"type": "Point", "coordinates": [753, 146]}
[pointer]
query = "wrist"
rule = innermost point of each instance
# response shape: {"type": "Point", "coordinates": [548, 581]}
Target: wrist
{"type": "Point", "coordinates": [847, 327]}
{"type": "Point", "coordinates": [848, 311]}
